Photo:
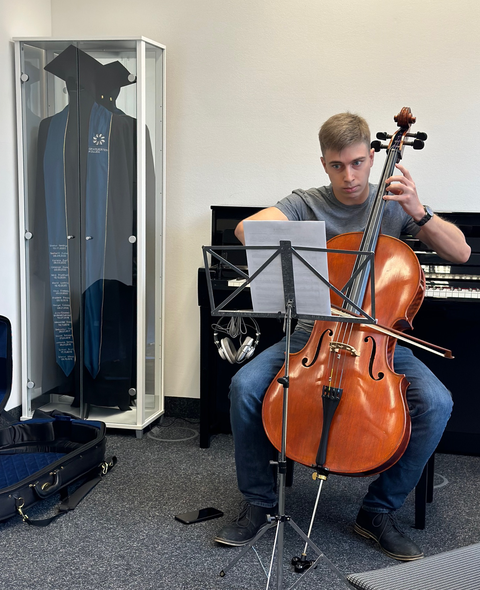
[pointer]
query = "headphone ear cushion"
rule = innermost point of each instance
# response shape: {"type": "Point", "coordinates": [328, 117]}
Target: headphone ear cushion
{"type": "Point", "coordinates": [219, 346]}
{"type": "Point", "coordinates": [246, 350]}
{"type": "Point", "coordinates": [251, 351]}
{"type": "Point", "coordinates": [228, 350]}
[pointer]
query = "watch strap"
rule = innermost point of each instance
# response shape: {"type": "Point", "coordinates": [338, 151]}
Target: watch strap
{"type": "Point", "coordinates": [428, 215]}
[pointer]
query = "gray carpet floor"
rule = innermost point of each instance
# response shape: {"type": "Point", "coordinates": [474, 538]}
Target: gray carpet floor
{"type": "Point", "coordinates": [124, 536]}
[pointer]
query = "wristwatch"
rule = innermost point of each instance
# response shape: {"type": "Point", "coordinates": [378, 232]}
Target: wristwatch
{"type": "Point", "coordinates": [428, 215]}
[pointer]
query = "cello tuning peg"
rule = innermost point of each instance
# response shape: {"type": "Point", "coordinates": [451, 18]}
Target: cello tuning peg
{"type": "Point", "coordinates": [383, 135]}
{"type": "Point", "coordinates": [377, 146]}
{"type": "Point", "coordinates": [419, 135]}
{"type": "Point", "coordinates": [417, 144]}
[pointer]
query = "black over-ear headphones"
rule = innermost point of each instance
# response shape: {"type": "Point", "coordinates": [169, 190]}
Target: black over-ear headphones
{"type": "Point", "coordinates": [237, 327]}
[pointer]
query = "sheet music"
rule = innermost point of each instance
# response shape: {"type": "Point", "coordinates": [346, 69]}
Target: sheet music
{"type": "Point", "coordinates": [312, 296]}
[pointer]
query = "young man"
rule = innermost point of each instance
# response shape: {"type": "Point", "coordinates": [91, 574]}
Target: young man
{"type": "Point", "coordinates": [344, 206]}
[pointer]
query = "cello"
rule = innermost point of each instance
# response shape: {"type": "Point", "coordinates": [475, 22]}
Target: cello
{"type": "Point", "coordinates": [347, 410]}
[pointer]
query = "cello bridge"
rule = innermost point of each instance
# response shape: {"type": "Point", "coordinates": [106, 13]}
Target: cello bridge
{"type": "Point", "coordinates": [338, 346]}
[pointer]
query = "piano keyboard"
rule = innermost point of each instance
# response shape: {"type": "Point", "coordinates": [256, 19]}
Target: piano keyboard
{"type": "Point", "coordinates": [442, 283]}
{"type": "Point", "coordinates": [446, 291]}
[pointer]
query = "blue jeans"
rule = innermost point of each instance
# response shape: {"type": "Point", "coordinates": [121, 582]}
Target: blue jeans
{"type": "Point", "coordinates": [429, 403]}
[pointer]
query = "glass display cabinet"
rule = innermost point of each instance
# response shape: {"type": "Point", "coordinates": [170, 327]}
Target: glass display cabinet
{"type": "Point", "coordinates": [91, 161]}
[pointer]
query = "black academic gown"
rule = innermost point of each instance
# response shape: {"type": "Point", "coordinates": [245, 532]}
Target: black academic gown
{"type": "Point", "coordinates": [116, 371]}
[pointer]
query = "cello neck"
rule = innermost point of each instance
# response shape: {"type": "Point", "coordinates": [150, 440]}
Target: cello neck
{"type": "Point", "coordinates": [357, 289]}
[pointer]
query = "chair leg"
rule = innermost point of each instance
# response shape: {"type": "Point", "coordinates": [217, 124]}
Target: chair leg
{"type": "Point", "coordinates": [430, 474]}
{"type": "Point", "coordinates": [424, 493]}
{"type": "Point", "coordinates": [289, 476]}
{"type": "Point", "coordinates": [421, 500]}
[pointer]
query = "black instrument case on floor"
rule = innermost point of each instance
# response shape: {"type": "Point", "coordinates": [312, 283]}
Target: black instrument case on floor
{"type": "Point", "coordinates": [42, 456]}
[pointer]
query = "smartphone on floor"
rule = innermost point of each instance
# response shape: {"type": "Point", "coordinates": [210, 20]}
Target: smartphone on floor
{"type": "Point", "coordinates": [198, 515]}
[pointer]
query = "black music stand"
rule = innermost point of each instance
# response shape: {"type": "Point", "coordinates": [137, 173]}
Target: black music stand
{"type": "Point", "coordinates": [286, 252]}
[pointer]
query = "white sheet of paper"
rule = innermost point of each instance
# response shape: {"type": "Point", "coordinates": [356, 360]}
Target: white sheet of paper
{"type": "Point", "coordinates": [312, 296]}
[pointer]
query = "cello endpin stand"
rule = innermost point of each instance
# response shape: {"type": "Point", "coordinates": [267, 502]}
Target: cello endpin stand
{"type": "Point", "coordinates": [301, 564]}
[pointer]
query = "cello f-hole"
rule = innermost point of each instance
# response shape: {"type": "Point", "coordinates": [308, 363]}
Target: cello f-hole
{"type": "Point", "coordinates": [372, 358]}
{"type": "Point", "coordinates": [305, 359]}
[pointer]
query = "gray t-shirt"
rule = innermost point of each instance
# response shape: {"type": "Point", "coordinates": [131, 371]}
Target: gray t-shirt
{"type": "Point", "coordinates": [320, 204]}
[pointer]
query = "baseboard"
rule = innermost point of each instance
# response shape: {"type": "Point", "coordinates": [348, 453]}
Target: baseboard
{"type": "Point", "coordinates": [182, 407]}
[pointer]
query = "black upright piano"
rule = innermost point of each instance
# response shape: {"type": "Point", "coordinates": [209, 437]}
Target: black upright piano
{"type": "Point", "coordinates": [449, 317]}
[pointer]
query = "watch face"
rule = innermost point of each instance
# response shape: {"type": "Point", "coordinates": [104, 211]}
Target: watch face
{"type": "Point", "coordinates": [429, 210]}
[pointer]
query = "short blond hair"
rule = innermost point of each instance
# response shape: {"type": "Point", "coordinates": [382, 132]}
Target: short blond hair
{"type": "Point", "coordinates": [343, 130]}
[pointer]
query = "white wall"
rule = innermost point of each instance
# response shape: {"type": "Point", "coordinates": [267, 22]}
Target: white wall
{"type": "Point", "coordinates": [25, 18]}
{"type": "Point", "coordinates": [250, 81]}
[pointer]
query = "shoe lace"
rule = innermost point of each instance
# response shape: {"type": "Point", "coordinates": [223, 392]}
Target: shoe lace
{"type": "Point", "coordinates": [394, 522]}
{"type": "Point", "coordinates": [244, 514]}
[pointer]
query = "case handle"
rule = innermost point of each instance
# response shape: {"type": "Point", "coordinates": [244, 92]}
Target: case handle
{"type": "Point", "coordinates": [46, 489]}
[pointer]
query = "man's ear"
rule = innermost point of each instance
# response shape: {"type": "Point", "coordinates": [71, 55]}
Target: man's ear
{"type": "Point", "coordinates": [372, 156]}
{"type": "Point", "coordinates": [322, 160]}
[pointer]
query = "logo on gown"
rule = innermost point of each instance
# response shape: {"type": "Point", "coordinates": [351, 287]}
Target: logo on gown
{"type": "Point", "coordinates": [99, 139]}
